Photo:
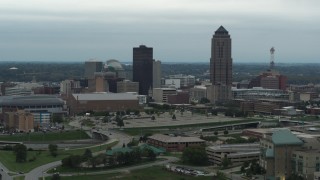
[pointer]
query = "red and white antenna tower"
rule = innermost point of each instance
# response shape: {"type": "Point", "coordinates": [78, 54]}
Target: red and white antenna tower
{"type": "Point", "coordinates": [272, 50]}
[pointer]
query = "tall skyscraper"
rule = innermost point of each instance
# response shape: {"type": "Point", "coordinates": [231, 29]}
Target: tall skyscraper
{"type": "Point", "coordinates": [156, 74]}
{"type": "Point", "coordinates": [221, 61]}
{"type": "Point", "coordinates": [221, 65]}
{"type": "Point", "coordinates": [143, 68]}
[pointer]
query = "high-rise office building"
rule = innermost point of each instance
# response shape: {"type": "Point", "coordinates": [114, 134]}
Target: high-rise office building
{"type": "Point", "coordinates": [91, 67]}
{"type": "Point", "coordinates": [156, 74]}
{"type": "Point", "coordinates": [221, 61]}
{"type": "Point", "coordinates": [143, 68]}
{"type": "Point", "coordinates": [221, 65]}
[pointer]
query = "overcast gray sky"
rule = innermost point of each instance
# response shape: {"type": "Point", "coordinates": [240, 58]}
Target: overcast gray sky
{"type": "Point", "coordinates": [178, 30]}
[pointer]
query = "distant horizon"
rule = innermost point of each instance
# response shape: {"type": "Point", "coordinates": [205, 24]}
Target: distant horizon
{"type": "Point", "coordinates": [163, 62]}
{"type": "Point", "coordinates": [178, 30]}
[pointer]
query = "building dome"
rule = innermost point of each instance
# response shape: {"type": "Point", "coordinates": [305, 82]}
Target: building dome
{"type": "Point", "coordinates": [113, 65]}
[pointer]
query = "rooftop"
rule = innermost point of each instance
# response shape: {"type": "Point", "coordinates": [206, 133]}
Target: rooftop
{"type": "Point", "coordinates": [221, 30]}
{"type": "Point", "coordinates": [30, 100]}
{"type": "Point", "coordinates": [166, 138]}
{"type": "Point", "coordinates": [285, 137]}
{"type": "Point", "coordinates": [104, 96]}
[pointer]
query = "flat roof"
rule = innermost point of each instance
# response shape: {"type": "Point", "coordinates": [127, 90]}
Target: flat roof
{"type": "Point", "coordinates": [104, 96]}
{"type": "Point", "coordinates": [285, 137]}
{"type": "Point", "coordinates": [30, 100]}
{"type": "Point", "coordinates": [168, 139]}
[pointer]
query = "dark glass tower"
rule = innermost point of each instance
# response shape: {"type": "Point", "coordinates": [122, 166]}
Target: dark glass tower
{"type": "Point", "coordinates": [142, 68]}
{"type": "Point", "coordinates": [221, 61]}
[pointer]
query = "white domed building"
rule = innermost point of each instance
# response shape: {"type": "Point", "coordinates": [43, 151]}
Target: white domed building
{"type": "Point", "coordinates": [113, 65]}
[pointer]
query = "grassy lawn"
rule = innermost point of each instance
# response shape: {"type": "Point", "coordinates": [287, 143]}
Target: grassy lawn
{"type": "Point", "coordinates": [8, 157]}
{"type": "Point", "coordinates": [154, 173]}
{"type": "Point", "coordinates": [62, 169]}
{"type": "Point", "coordinates": [18, 178]}
{"type": "Point", "coordinates": [174, 154]}
{"type": "Point", "coordinates": [306, 118]}
{"type": "Point", "coordinates": [152, 130]}
{"type": "Point", "coordinates": [49, 136]}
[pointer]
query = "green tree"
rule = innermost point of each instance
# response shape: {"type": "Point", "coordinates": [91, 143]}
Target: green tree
{"type": "Point", "coordinates": [87, 155]}
{"type": "Point", "coordinates": [216, 133]}
{"type": "Point", "coordinates": [225, 132]}
{"type": "Point", "coordinates": [221, 176]}
{"type": "Point", "coordinates": [120, 123]}
{"type": "Point", "coordinates": [226, 162]}
{"type": "Point", "coordinates": [57, 118]}
{"type": "Point", "coordinates": [204, 100]}
{"type": "Point", "coordinates": [111, 161]}
{"type": "Point", "coordinates": [55, 176]}
{"type": "Point", "coordinates": [21, 152]}
{"type": "Point", "coordinates": [136, 112]}
{"type": "Point", "coordinates": [150, 154]}
{"type": "Point", "coordinates": [72, 161]}
{"type": "Point", "coordinates": [174, 117]}
{"type": "Point", "coordinates": [53, 148]}
{"type": "Point", "coordinates": [195, 156]}
{"type": "Point", "coordinates": [153, 118]}
{"type": "Point", "coordinates": [120, 158]}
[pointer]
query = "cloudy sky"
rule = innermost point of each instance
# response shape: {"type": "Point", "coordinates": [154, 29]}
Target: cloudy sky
{"type": "Point", "coordinates": [178, 30]}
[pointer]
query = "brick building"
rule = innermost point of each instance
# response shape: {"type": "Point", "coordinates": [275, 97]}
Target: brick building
{"type": "Point", "coordinates": [174, 143]}
{"type": "Point", "coordinates": [98, 102]}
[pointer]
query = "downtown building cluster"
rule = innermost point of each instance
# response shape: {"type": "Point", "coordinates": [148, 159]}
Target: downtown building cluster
{"type": "Point", "coordinates": [113, 86]}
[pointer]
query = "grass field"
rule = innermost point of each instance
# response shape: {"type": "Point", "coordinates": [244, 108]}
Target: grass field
{"type": "Point", "coordinates": [152, 130]}
{"type": "Point", "coordinates": [49, 136]}
{"type": "Point", "coordinates": [62, 169]}
{"type": "Point", "coordinates": [154, 173]}
{"type": "Point", "coordinates": [8, 157]}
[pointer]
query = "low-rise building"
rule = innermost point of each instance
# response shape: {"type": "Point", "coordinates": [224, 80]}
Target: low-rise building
{"type": "Point", "coordinates": [197, 93]}
{"type": "Point", "coordinates": [174, 143]}
{"type": "Point", "coordinates": [23, 121]}
{"type": "Point", "coordinates": [236, 153]}
{"type": "Point", "coordinates": [127, 86]}
{"type": "Point", "coordinates": [98, 102]}
{"type": "Point", "coordinates": [160, 95]}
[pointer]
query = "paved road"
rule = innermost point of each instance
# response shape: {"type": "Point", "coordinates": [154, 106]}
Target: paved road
{"type": "Point", "coordinates": [170, 159]}
{"type": "Point", "coordinates": [115, 136]}
{"type": "Point", "coordinates": [4, 172]}
{"type": "Point", "coordinates": [38, 172]}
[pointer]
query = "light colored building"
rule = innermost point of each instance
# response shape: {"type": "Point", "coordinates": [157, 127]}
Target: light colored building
{"type": "Point", "coordinates": [23, 121]}
{"type": "Point", "coordinates": [22, 89]}
{"type": "Point", "coordinates": [42, 119]}
{"type": "Point", "coordinates": [259, 93]}
{"type": "Point", "coordinates": [306, 162]}
{"type": "Point", "coordinates": [90, 67]}
{"type": "Point", "coordinates": [219, 93]}
{"type": "Point", "coordinates": [67, 86]}
{"type": "Point", "coordinates": [156, 74]}
{"type": "Point", "coordinates": [236, 153]}
{"type": "Point", "coordinates": [174, 143]}
{"type": "Point", "coordinates": [185, 80]}
{"type": "Point", "coordinates": [277, 149]}
{"type": "Point", "coordinates": [101, 84]}
{"type": "Point", "coordinates": [173, 83]}
{"type": "Point", "coordinates": [113, 65]}
{"type": "Point", "coordinates": [197, 93]}
{"type": "Point", "coordinates": [127, 86]}
{"type": "Point", "coordinates": [160, 94]}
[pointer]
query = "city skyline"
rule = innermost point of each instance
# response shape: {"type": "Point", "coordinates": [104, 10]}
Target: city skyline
{"type": "Point", "coordinates": [177, 30]}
